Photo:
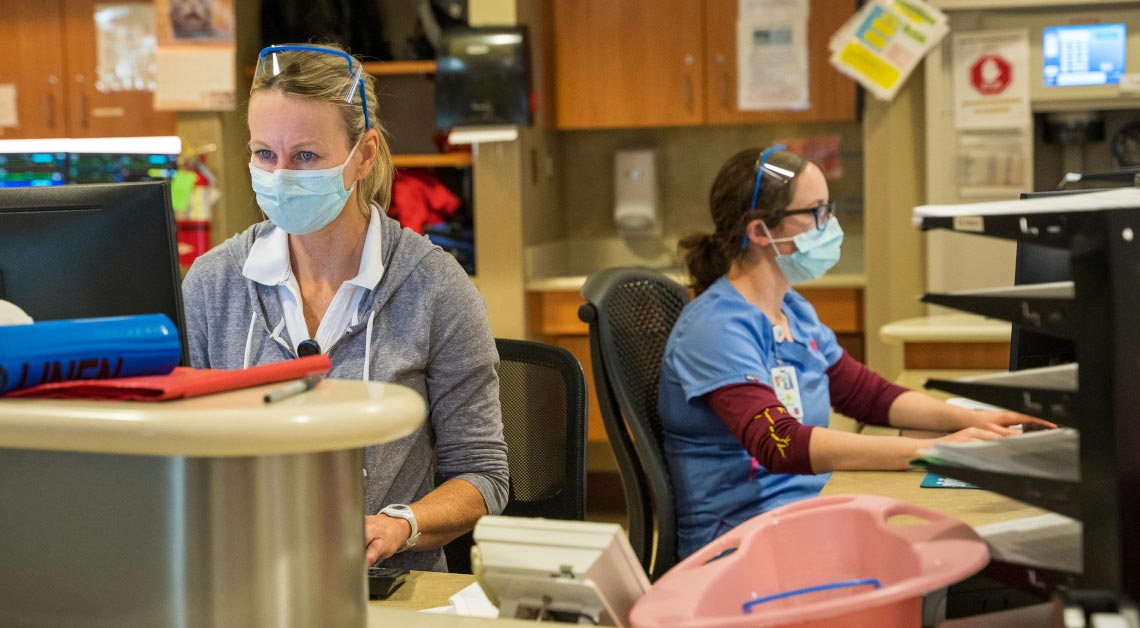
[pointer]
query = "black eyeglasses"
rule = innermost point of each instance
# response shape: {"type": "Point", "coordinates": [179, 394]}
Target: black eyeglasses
{"type": "Point", "coordinates": [821, 212]}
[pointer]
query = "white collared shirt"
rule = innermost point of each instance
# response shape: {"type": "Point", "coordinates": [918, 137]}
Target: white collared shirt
{"type": "Point", "coordinates": [268, 264]}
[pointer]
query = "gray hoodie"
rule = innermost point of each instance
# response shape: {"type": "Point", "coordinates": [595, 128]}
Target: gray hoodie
{"type": "Point", "coordinates": [423, 326]}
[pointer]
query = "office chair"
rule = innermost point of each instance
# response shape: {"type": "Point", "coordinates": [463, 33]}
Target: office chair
{"type": "Point", "coordinates": [631, 312]}
{"type": "Point", "coordinates": [542, 391]}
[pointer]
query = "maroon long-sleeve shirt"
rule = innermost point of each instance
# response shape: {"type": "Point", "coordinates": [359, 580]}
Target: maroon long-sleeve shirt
{"type": "Point", "coordinates": [775, 438]}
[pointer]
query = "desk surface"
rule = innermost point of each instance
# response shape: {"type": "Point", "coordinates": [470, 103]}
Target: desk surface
{"type": "Point", "coordinates": [335, 415]}
{"type": "Point", "coordinates": [425, 589]}
{"type": "Point", "coordinates": [974, 507]}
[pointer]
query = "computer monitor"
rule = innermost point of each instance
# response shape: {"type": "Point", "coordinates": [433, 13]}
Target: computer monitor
{"type": "Point", "coordinates": [1036, 263]}
{"type": "Point", "coordinates": [82, 251]}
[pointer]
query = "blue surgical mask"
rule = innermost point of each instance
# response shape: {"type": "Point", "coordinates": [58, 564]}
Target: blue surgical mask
{"type": "Point", "coordinates": [300, 202]}
{"type": "Point", "coordinates": [816, 252]}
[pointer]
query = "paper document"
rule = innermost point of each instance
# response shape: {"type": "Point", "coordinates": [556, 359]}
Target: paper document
{"type": "Point", "coordinates": [1117, 198]}
{"type": "Point", "coordinates": [1062, 377]}
{"type": "Point", "coordinates": [470, 601]}
{"type": "Point", "coordinates": [991, 79]}
{"type": "Point", "coordinates": [884, 41]}
{"type": "Point", "coordinates": [8, 101]}
{"type": "Point", "coordinates": [1052, 290]}
{"type": "Point", "coordinates": [1051, 541]}
{"type": "Point", "coordinates": [772, 54]}
{"type": "Point", "coordinates": [1047, 454]}
{"type": "Point", "coordinates": [970, 404]}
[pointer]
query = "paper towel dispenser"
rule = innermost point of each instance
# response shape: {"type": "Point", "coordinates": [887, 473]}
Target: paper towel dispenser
{"type": "Point", "coordinates": [483, 77]}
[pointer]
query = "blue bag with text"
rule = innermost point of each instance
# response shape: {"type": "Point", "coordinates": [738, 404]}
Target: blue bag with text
{"type": "Point", "coordinates": [88, 348]}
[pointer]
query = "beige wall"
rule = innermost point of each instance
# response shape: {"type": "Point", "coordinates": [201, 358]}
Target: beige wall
{"type": "Point", "coordinates": [893, 175]}
{"type": "Point", "coordinates": [688, 159]}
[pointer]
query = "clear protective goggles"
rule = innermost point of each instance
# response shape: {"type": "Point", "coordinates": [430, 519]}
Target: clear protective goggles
{"type": "Point", "coordinates": [773, 174]}
{"type": "Point", "coordinates": [277, 59]}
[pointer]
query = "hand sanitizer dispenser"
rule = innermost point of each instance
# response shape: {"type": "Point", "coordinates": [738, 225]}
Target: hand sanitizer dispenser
{"type": "Point", "coordinates": [635, 191]}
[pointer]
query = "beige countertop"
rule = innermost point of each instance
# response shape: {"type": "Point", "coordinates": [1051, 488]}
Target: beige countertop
{"type": "Point", "coordinates": [335, 415]}
{"type": "Point", "coordinates": [945, 328]}
{"type": "Point", "coordinates": [574, 283]}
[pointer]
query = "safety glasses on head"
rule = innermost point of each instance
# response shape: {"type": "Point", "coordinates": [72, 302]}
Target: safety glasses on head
{"type": "Point", "coordinates": [777, 176]}
{"type": "Point", "coordinates": [821, 212]}
{"type": "Point", "coordinates": [275, 60]}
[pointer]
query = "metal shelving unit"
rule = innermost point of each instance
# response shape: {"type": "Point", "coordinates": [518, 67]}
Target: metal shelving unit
{"type": "Point", "coordinates": [1100, 311]}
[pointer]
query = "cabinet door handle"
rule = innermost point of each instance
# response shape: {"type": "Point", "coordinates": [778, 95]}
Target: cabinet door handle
{"type": "Point", "coordinates": [83, 121]}
{"type": "Point", "coordinates": [687, 95]}
{"type": "Point", "coordinates": [687, 92]}
{"type": "Point", "coordinates": [49, 102]}
{"type": "Point", "coordinates": [82, 89]}
{"type": "Point", "coordinates": [49, 111]}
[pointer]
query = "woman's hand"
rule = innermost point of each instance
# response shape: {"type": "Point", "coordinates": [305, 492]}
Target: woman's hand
{"type": "Point", "coordinates": [998, 422]}
{"type": "Point", "coordinates": [384, 536]}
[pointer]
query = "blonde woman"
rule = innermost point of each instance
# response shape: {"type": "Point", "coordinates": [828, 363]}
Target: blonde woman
{"type": "Point", "coordinates": [330, 268]}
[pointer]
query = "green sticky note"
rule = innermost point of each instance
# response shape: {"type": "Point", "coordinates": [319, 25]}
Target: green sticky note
{"type": "Point", "coordinates": [181, 187]}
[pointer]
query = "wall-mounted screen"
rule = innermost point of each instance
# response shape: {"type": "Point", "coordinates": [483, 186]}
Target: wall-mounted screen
{"type": "Point", "coordinates": [1086, 54]}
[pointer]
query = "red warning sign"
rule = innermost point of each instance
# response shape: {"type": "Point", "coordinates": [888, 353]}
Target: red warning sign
{"type": "Point", "coordinates": [990, 75]}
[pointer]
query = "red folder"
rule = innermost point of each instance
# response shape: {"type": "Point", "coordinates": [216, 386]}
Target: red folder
{"type": "Point", "coordinates": [181, 383]}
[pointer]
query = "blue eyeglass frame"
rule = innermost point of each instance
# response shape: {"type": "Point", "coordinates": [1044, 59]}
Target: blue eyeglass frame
{"type": "Point", "coordinates": [347, 57]}
{"type": "Point", "coordinates": [756, 188]}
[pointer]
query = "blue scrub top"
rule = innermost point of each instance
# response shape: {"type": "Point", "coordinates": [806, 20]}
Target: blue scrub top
{"type": "Point", "coordinates": [721, 339]}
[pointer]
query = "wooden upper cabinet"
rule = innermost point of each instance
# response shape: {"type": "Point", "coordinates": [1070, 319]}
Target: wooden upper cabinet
{"type": "Point", "coordinates": [628, 63]}
{"type": "Point", "coordinates": [31, 59]}
{"type": "Point", "coordinates": [638, 63]}
{"type": "Point", "coordinates": [832, 95]}
{"type": "Point", "coordinates": [48, 51]}
{"type": "Point", "coordinates": [93, 112]}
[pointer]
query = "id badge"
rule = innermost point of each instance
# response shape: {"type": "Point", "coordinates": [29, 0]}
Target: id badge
{"type": "Point", "coordinates": [788, 390]}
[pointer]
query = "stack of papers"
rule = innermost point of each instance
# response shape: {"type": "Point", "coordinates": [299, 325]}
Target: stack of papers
{"type": "Point", "coordinates": [884, 41]}
{"type": "Point", "coordinates": [1051, 541]}
{"type": "Point", "coordinates": [1117, 198]}
{"type": "Point", "coordinates": [1046, 454]}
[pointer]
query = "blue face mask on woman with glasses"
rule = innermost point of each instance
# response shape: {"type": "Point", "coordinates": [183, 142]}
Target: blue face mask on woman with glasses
{"type": "Point", "coordinates": [818, 248]}
{"type": "Point", "coordinates": [817, 251]}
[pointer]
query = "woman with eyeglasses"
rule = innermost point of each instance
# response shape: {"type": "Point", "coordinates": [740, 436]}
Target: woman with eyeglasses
{"type": "Point", "coordinates": [750, 374]}
{"type": "Point", "coordinates": [330, 272]}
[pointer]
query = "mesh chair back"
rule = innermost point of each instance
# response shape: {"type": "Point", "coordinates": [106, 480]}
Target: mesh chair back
{"type": "Point", "coordinates": [542, 392]}
{"type": "Point", "coordinates": [631, 312]}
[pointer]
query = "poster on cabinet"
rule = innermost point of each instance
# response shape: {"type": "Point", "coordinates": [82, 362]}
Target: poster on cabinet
{"type": "Point", "coordinates": [772, 55]}
{"type": "Point", "coordinates": [196, 59]}
{"type": "Point", "coordinates": [991, 79]}
{"type": "Point", "coordinates": [884, 42]}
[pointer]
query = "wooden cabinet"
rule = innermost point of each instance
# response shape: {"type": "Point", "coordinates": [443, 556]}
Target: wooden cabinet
{"type": "Point", "coordinates": [642, 63]}
{"type": "Point", "coordinates": [832, 94]}
{"type": "Point", "coordinates": [50, 55]}
{"type": "Point", "coordinates": [628, 63]}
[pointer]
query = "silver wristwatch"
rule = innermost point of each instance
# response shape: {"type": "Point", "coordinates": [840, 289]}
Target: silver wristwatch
{"type": "Point", "coordinates": [404, 511]}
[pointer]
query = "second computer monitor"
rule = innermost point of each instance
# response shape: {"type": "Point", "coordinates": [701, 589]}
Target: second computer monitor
{"type": "Point", "coordinates": [82, 251]}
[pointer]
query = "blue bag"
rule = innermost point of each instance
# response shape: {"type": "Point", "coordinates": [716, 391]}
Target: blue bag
{"type": "Point", "coordinates": [88, 348]}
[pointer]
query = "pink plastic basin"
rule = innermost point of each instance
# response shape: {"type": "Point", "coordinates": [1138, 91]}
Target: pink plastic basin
{"type": "Point", "coordinates": [816, 563]}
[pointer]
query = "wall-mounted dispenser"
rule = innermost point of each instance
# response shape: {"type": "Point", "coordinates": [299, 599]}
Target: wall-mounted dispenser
{"type": "Point", "coordinates": [635, 192]}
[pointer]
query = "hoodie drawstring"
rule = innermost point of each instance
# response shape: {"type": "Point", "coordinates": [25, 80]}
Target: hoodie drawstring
{"type": "Point", "coordinates": [249, 340]}
{"type": "Point", "coordinates": [368, 344]}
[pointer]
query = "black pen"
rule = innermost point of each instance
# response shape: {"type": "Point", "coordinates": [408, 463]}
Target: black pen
{"type": "Point", "coordinates": [292, 388]}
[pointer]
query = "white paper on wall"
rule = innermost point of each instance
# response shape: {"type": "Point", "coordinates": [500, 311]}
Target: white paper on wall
{"type": "Point", "coordinates": [991, 79]}
{"type": "Point", "coordinates": [772, 55]}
